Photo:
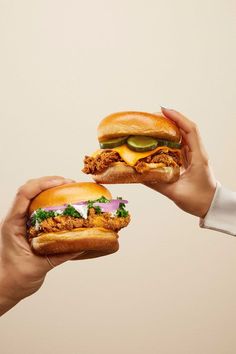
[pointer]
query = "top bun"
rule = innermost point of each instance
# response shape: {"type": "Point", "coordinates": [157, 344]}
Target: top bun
{"type": "Point", "coordinates": [138, 123]}
{"type": "Point", "coordinates": [68, 194]}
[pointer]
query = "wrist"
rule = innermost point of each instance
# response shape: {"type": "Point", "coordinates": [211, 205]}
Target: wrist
{"type": "Point", "coordinates": [6, 303]}
{"type": "Point", "coordinates": [10, 292]}
{"type": "Point", "coordinates": [7, 297]}
{"type": "Point", "coordinates": [208, 197]}
{"type": "Point", "coordinates": [18, 281]}
{"type": "Point", "coordinates": [221, 215]}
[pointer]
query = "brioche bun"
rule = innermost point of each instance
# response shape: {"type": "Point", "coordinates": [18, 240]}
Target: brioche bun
{"type": "Point", "coordinates": [121, 173]}
{"type": "Point", "coordinates": [68, 194]}
{"type": "Point", "coordinates": [92, 242]}
{"type": "Point", "coordinates": [138, 123]}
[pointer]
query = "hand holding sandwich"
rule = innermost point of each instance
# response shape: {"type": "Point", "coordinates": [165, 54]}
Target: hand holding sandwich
{"type": "Point", "coordinates": [194, 190]}
{"type": "Point", "coordinates": [21, 271]}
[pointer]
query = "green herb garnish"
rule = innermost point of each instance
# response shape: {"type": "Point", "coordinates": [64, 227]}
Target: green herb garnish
{"type": "Point", "coordinates": [71, 211]}
{"type": "Point", "coordinates": [102, 200]}
{"type": "Point", "coordinates": [121, 211]}
{"type": "Point", "coordinates": [97, 209]}
{"type": "Point", "coordinates": [41, 215]}
{"type": "Point", "coordinates": [99, 200]}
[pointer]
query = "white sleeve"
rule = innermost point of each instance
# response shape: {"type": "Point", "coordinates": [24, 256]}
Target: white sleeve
{"type": "Point", "coordinates": [221, 215]}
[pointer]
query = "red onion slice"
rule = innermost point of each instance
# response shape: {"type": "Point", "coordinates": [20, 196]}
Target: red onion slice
{"type": "Point", "coordinates": [110, 206]}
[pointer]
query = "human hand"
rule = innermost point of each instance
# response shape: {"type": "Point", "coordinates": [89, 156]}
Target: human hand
{"type": "Point", "coordinates": [194, 190]}
{"type": "Point", "coordinates": [21, 271]}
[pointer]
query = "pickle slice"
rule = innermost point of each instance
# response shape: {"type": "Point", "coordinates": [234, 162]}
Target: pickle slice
{"type": "Point", "coordinates": [112, 143]}
{"type": "Point", "coordinates": [142, 143]}
{"type": "Point", "coordinates": [171, 144]}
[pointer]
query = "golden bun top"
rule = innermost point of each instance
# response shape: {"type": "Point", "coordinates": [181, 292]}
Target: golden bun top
{"type": "Point", "coordinates": [68, 194]}
{"type": "Point", "coordinates": [138, 123]}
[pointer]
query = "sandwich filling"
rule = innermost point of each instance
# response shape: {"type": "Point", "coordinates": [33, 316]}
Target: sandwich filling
{"type": "Point", "coordinates": [102, 212]}
{"type": "Point", "coordinates": [162, 156]}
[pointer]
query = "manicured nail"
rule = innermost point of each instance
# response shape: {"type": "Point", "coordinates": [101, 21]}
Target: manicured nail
{"type": "Point", "coordinates": [53, 182]}
{"type": "Point", "coordinates": [167, 109]}
{"type": "Point", "coordinates": [69, 180]}
{"type": "Point", "coordinates": [59, 181]}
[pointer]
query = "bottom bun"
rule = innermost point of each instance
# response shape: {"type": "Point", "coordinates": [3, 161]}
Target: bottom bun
{"type": "Point", "coordinates": [92, 242]}
{"type": "Point", "coordinates": [122, 173]}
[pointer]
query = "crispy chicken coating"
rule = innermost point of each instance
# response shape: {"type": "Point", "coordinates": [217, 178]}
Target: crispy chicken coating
{"type": "Point", "coordinates": [65, 222]}
{"type": "Point", "coordinates": [99, 163]}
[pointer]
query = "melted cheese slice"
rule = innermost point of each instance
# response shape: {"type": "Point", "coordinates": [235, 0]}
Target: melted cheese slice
{"type": "Point", "coordinates": [132, 157]}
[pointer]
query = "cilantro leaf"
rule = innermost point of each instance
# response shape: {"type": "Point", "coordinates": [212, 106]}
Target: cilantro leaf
{"type": "Point", "coordinates": [97, 209]}
{"type": "Point", "coordinates": [90, 203]}
{"type": "Point", "coordinates": [71, 211]}
{"type": "Point", "coordinates": [102, 200]}
{"type": "Point", "coordinates": [121, 211]}
{"type": "Point", "coordinates": [41, 215]}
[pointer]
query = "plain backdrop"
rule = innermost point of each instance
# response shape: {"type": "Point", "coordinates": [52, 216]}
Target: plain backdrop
{"type": "Point", "coordinates": [64, 65]}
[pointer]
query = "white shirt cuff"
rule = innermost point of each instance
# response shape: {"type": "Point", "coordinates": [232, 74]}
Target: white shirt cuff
{"type": "Point", "coordinates": [221, 215]}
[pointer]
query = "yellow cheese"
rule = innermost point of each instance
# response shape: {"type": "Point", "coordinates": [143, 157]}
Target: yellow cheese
{"type": "Point", "coordinates": [132, 157]}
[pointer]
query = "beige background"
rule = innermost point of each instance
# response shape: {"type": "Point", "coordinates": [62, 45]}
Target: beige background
{"type": "Point", "coordinates": [64, 65]}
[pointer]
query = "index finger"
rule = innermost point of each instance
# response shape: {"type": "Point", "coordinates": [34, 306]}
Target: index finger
{"type": "Point", "coordinates": [29, 190]}
{"type": "Point", "coordinates": [191, 133]}
{"type": "Point", "coordinates": [183, 122]}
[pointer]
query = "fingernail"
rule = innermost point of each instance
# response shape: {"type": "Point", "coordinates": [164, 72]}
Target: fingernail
{"type": "Point", "coordinates": [54, 181]}
{"type": "Point", "coordinates": [167, 109]}
{"type": "Point", "coordinates": [68, 180]}
{"type": "Point", "coordinates": [59, 181]}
